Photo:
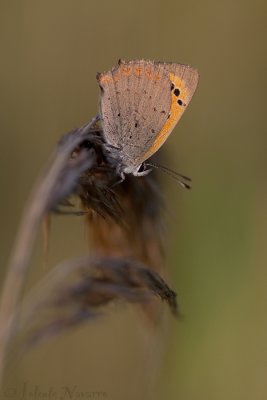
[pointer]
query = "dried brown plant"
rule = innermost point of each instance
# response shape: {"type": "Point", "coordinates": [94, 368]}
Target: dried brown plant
{"type": "Point", "coordinates": [125, 224]}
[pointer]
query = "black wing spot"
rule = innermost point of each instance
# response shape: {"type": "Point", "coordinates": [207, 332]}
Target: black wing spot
{"type": "Point", "coordinates": [119, 114]}
{"type": "Point", "coordinates": [153, 130]}
{"type": "Point", "coordinates": [168, 116]}
{"type": "Point", "coordinates": [180, 102]}
{"type": "Point", "coordinates": [163, 112]}
{"type": "Point", "coordinates": [136, 124]}
{"type": "Point", "coordinates": [154, 109]}
{"type": "Point", "coordinates": [172, 86]}
{"type": "Point", "coordinates": [177, 92]}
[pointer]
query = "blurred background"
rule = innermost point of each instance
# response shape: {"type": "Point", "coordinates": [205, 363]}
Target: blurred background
{"type": "Point", "coordinates": [217, 232]}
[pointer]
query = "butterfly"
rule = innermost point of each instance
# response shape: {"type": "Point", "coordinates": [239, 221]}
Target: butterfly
{"type": "Point", "coordinates": [140, 104]}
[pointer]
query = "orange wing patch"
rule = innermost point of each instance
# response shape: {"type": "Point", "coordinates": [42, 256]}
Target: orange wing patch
{"type": "Point", "coordinates": [126, 70]}
{"type": "Point", "coordinates": [123, 70]}
{"type": "Point", "coordinates": [104, 79]}
{"type": "Point", "coordinates": [107, 78]}
{"type": "Point", "coordinates": [179, 95]}
{"type": "Point", "coordinates": [138, 71]}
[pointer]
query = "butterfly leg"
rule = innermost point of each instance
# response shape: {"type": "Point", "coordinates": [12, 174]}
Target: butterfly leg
{"type": "Point", "coordinates": [121, 174]}
{"type": "Point", "coordinates": [141, 173]}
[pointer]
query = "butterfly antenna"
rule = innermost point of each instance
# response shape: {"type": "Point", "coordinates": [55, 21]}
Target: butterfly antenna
{"type": "Point", "coordinates": [181, 179]}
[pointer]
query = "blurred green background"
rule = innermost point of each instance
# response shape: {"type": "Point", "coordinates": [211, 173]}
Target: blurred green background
{"type": "Point", "coordinates": [50, 53]}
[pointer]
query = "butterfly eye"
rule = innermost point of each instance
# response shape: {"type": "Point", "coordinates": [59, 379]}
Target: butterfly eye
{"type": "Point", "coordinates": [141, 168]}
